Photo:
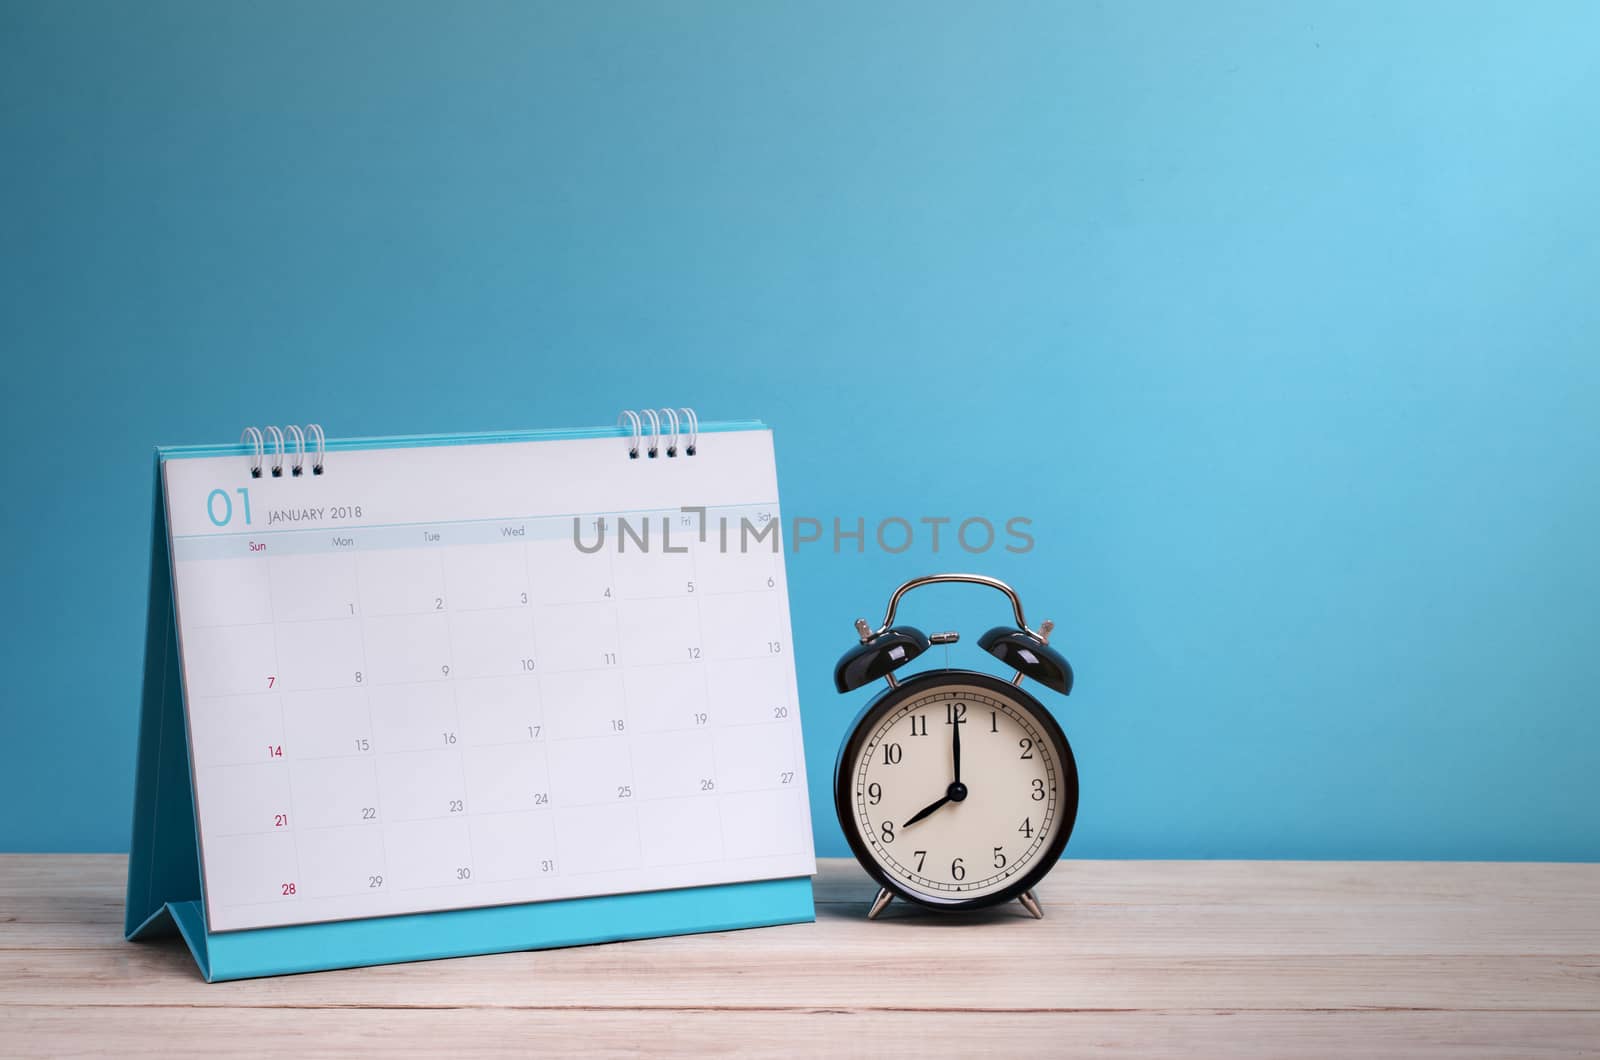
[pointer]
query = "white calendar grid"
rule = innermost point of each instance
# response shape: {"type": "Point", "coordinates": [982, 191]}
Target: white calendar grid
{"type": "Point", "coordinates": [409, 715]}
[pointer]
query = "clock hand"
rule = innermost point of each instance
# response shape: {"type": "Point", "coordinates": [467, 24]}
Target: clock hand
{"type": "Point", "coordinates": [957, 790]}
{"type": "Point", "coordinates": [955, 748]}
{"type": "Point", "coordinates": [920, 814]}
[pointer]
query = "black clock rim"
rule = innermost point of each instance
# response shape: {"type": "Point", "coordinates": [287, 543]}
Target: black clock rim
{"type": "Point", "coordinates": [887, 700]}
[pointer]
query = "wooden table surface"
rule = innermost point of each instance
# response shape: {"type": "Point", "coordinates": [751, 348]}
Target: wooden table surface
{"type": "Point", "coordinates": [1132, 958]}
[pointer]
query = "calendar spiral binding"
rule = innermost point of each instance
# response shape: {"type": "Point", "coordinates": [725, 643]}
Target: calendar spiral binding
{"type": "Point", "coordinates": [673, 431]}
{"type": "Point", "coordinates": [688, 424]}
{"type": "Point", "coordinates": [280, 437]}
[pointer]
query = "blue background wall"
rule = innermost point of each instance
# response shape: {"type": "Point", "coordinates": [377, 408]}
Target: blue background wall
{"type": "Point", "coordinates": [1278, 320]}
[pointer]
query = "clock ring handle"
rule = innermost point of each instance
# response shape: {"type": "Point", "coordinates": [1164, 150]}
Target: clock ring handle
{"type": "Point", "coordinates": [968, 579]}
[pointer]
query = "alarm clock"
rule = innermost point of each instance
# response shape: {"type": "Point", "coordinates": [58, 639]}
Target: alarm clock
{"type": "Point", "coordinates": [955, 789]}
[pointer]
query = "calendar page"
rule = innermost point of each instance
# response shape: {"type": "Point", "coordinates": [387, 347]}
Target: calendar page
{"type": "Point", "coordinates": [460, 675]}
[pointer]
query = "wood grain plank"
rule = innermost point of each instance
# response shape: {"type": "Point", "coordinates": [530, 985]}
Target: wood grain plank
{"type": "Point", "coordinates": [766, 975]}
{"type": "Point", "coordinates": [1133, 958]}
{"type": "Point", "coordinates": [166, 1032]}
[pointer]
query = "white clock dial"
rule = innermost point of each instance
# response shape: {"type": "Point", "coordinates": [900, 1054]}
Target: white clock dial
{"type": "Point", "coordinates": [953, 838]}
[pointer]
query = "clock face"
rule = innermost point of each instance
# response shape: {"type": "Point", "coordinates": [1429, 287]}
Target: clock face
{"type": "Point", "coordinates": [957, 788]}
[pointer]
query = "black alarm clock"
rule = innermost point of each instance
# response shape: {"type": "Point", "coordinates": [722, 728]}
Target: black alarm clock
{"type": "Point", "coordinates": [955, 789]}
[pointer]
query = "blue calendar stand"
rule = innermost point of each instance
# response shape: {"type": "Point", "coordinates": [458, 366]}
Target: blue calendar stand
{"type": "Point", "coordinates": [166, 895]}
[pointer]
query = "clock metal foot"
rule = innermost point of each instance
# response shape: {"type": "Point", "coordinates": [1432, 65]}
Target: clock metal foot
{"type": "Point", "coordinates": [1030, 902]}
{"type": "Point", "coordinates": [879, 903]}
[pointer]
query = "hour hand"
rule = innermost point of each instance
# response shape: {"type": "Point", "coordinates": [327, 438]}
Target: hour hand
{"type": "Point", "coordinates": [920, 814]}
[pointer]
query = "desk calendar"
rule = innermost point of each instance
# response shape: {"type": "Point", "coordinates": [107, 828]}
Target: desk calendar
{"type": "Point", "coordinates": [420, 697]}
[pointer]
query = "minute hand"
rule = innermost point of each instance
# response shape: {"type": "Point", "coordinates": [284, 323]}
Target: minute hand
{"type": "Point", "coordinates": [955, 747]}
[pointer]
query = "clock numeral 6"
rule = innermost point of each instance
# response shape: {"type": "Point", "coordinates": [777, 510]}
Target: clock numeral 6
{"type": "Point", "coordinates": [958, 871]}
